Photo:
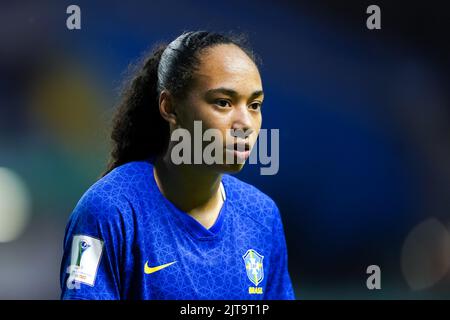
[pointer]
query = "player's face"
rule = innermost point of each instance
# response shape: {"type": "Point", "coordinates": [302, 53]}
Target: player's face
{"type": "Point", "coordinates": [226, 93]}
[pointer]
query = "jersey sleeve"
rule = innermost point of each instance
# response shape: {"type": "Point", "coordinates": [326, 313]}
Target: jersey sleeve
{"type": "Point", "coordinates": [91, 263]}
{"type": "Point", "coordinates": [279, 285]}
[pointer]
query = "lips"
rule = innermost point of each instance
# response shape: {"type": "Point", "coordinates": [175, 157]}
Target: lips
{"type": "Point", "coordinates": [240, 150]}
{"type": "Point", "coordinates": [239, 146]}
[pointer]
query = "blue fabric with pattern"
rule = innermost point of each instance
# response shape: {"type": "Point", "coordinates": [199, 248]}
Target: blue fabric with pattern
{"type": "Point", "coordinates": [138, 225]}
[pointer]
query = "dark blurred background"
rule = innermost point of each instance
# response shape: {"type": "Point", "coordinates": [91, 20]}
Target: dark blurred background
{"type": "Point", "coordinates": [364, 119]}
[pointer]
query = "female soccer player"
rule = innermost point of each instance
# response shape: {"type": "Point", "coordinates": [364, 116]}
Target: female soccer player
{"type": "Point", "coordinates": [153, 229]}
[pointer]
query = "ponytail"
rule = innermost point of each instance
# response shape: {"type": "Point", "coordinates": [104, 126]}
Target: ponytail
{"type": "Point", "coordinates": [139, 131]}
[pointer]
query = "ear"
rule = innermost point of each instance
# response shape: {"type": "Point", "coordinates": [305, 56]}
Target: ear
{"type": "Point", "coordinates": [167, 108]}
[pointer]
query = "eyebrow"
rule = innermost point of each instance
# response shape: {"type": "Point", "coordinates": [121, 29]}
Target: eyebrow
{"type": "Point", "coordinates": [233, 93]}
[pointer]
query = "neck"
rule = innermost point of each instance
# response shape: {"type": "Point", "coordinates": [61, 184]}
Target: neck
{"type": "Point", "coordinates": [187, 186]}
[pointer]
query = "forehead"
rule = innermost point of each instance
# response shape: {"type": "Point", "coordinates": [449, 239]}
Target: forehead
{"type": "Point", "coordinates": [226, 65]}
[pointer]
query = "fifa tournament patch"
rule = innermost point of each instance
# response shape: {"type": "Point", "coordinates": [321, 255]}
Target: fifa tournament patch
{"type": "Point", "coordinates": [85, 259]}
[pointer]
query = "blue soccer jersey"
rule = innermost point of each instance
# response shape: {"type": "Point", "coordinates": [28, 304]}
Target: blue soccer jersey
{"type": "Point", "coordinates": [125, 240]}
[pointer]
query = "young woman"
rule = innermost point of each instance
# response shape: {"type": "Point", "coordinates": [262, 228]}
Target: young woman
{"type": "Point", "coordinates": [152, 229]}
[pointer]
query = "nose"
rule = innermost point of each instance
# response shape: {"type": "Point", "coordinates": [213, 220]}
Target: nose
{"type": "Point", "coordinates": [242, 122]}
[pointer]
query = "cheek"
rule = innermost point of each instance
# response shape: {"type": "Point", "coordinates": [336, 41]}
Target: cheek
{"type": "Point", "coordinates": [257, 128]}
{"type": "Point", "coordinates": [196, 109]}
{"type": "Point", "coordinates": [257, 122]}
{"type": "Point", "coordinates": [204, 113]}
{"type": "Point", "coordinates": [190, 111]}
{"type": "Point", "coordinates": [211, 119]}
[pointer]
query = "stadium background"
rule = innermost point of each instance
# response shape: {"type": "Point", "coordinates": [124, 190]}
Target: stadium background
{"type": "Point", "coordinates": [364, 123]}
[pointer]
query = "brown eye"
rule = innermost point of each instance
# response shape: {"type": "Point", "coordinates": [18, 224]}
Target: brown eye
{"type": "Point", "coordinates": [255, 106]}
{"type": "Point", "coordinates": [222, 103]}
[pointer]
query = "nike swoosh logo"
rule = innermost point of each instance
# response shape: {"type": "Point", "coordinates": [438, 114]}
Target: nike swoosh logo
{"type": "Point", "coordinates": [149, 270]}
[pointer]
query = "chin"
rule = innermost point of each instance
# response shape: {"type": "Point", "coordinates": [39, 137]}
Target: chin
{"type": "Point", "coordinates": [231, 168]}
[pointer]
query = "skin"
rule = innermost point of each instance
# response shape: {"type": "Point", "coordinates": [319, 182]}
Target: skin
{"type": "Point", "coordinates": [195, 188]}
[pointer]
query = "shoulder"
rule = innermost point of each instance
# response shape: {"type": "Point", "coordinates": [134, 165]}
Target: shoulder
{"type": "Point", "coordinates": [248, 200]}
{"type": "Point", "coordinates": [112, 196]}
